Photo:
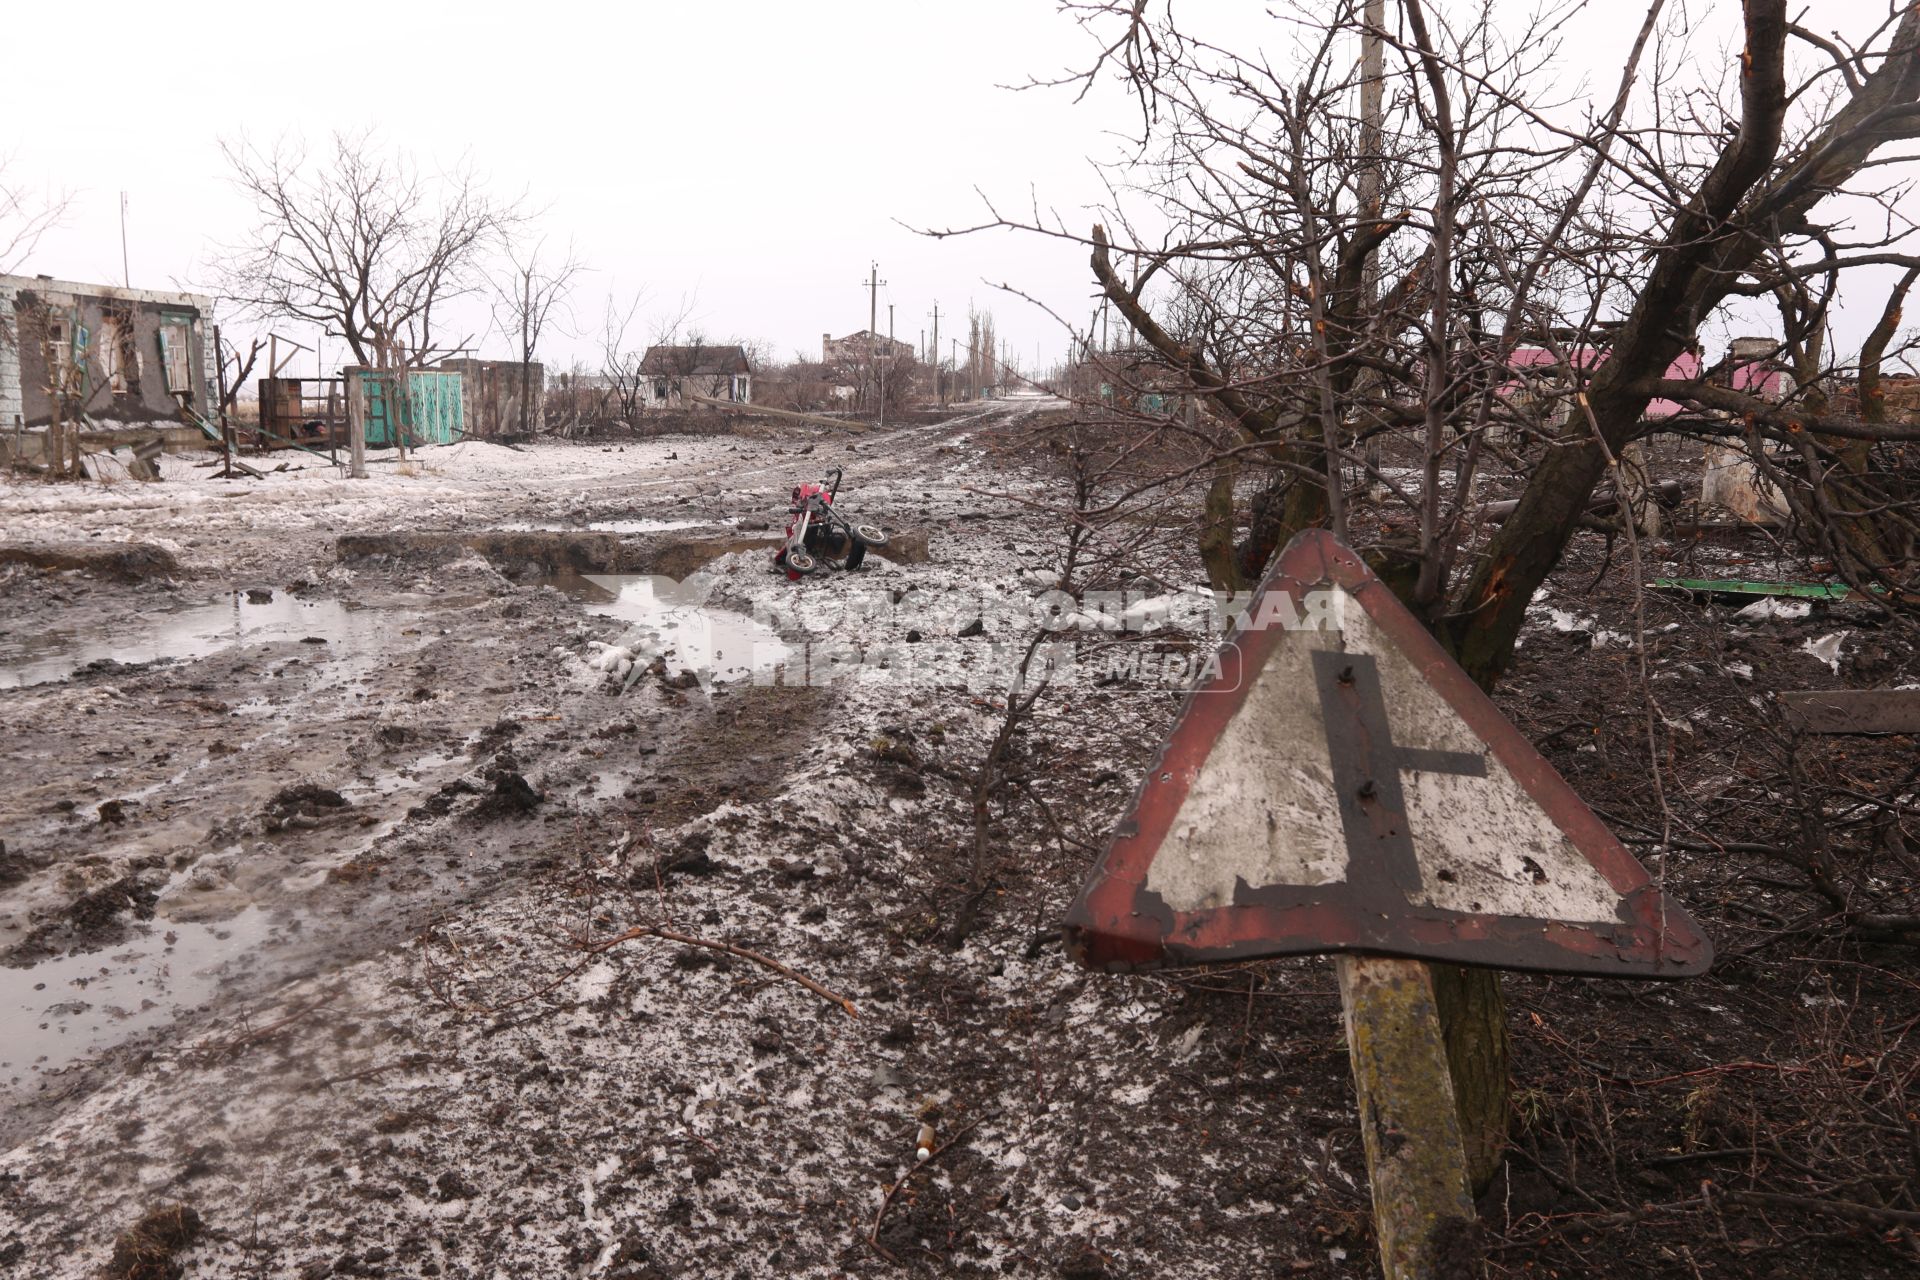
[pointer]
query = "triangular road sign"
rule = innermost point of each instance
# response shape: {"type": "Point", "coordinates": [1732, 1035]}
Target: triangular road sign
{"type": "Point", "coordinates": [1342, 785]}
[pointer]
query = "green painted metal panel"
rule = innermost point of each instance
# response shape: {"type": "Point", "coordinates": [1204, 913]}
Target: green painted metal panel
{"type": "Point", "coordinates": [432, 414]}
{"type": "Point", "coordinates": [1735, 587]}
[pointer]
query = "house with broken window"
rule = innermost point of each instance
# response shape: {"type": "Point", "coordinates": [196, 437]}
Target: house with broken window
{"type": "Point", "coordinates": [674, 373]}
{"type": "Point", "coordinates": [101, 357]}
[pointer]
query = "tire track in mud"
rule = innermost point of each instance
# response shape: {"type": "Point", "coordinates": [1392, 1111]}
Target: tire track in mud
{"type": "Point", "coordinates": [365, 888]}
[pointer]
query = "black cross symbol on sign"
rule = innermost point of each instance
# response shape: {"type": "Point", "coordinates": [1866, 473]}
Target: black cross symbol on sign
{"type": "Point", "coordinates": [1367, 764]}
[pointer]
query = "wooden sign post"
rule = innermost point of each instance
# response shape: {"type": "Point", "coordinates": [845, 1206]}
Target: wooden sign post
{"type": "Point", "coordinates": [1409, 1124]}
{"type": "Point", "coordinates": [1340, 785]}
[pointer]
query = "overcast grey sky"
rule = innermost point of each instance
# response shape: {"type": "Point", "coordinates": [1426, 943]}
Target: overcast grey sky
{"type": "Point", "coordinates": [752, 157]}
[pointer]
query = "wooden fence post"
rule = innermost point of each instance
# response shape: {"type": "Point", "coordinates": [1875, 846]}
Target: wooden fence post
{"type": "Point", "coordinates": [356, 426]}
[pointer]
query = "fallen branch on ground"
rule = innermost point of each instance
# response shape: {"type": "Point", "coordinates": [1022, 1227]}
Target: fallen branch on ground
{"type": "Point", "coordinates": [1716, 1069]}
{"type": "Point", "coordinates": [212, 1051]}
{"type": "Point", "coordinates": [688, 940]}
{"type": "Point", "coordinates": [1836, 1208]}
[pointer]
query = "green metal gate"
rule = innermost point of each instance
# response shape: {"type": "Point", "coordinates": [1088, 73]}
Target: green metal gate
{"type": "Point", "coordinates": [431, 414]}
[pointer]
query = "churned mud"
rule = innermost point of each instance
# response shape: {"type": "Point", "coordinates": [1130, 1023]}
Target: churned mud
{"type": "Point", "coordinates": [496, 868]}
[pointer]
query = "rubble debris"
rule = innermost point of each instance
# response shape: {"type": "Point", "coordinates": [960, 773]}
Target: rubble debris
{"type": "Point", "coordinates": [1827, 649]}
{"type": "Point", "coordinates": [145, 463]}
{"type": "Point", "coordinates": [1768, 607]}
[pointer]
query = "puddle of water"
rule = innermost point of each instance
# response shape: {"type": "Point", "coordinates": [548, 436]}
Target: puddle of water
{"type": "Point", "coordinates": [63, 1009]}
{"type": "Point", "coordinates": [715, 644]}
{"type": "Point", "coordinates": [610, 785]}
{"type": "Point", "coordinates": [188, 631]}
{"type": "Point", "coordinates": [607, 526]}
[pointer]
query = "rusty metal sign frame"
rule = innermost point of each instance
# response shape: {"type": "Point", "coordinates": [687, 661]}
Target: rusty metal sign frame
{"type": "Point", "coordinates": [1117, 923]}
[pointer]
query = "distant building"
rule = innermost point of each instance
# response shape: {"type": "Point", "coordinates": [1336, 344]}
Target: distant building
{"type": "Point", "coordinates": [715, 372]}
{"type": "Point", "coordinates": [102, 355]}
{"type": "Point", "coordinates": [858, 349]}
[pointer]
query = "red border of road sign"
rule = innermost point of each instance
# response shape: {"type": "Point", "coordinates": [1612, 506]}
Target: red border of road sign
{"type": "Point", "coordinates": [1118, 923]}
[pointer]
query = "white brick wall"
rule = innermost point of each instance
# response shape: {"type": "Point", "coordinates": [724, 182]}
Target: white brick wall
{"type": "Point", "coordinates": [210, 371]}
{"type": "Point", "coordinates": [11, 407]}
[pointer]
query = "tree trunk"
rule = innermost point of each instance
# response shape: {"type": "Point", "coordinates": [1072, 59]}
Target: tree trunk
{"type": "Point", "coordinates": [1638, 492]}
{"type": "Point", "coordinates": [1473, 1018]}
{"type": "Point", "coordinates": [1869, 516]}
{"type": "Point", "coordinates": [1216, 531]}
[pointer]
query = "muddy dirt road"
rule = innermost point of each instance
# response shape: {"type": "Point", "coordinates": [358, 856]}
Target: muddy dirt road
{"type": "Point", "coordinates": [494, 869]}
{"type": "Point", "coordinates": [314, 837]}
{"type": "Point", "coordinates": [263, 717]}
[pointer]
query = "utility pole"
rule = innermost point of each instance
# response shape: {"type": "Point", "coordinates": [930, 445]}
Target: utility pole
{"type": "Point", "coordinates": [873, 318]}
{"type": "Point", "coordinates": [126, 272]}
{"type": "Point", "coordinates": [939, 385]}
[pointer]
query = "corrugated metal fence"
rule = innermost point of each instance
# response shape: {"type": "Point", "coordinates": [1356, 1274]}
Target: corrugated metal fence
{"type": "Point", "coordinates": [432, 412]}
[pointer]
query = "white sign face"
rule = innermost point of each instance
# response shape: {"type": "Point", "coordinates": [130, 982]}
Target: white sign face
{"type": "Point", "coordinates": [1349, 788]}
{"type": "Point", "coordinates": [1270, 808]}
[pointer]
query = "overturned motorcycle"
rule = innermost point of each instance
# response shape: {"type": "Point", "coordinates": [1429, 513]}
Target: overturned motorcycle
{"type": "Point", "coordinates": [819, 534]}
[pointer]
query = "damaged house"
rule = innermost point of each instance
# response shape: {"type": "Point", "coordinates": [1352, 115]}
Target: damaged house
{"type": "Point", "coordinates": [100, 357]}
{"type": "Point", "coordinates": [857, 350]}
{"type": "Point", "coordinates": [714, 372]}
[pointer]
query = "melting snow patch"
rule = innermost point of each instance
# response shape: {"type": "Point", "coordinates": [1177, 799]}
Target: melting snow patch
{"type": "Point", "coordinates": [596, 982]}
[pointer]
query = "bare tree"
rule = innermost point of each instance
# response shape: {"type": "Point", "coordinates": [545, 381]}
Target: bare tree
{"type": "Point", "coordinates": [1487, 277]}
{"type": "Point", "coordinates": [359, 242]}
{"type": "Point", "coordinates": [1604, 243]}
{"type": "Point", "coordinates": [24, 218]}
{"type": "Point", "coordinates": [620, 364]}
{"type": "Point", "coordinates": [979, 372]}
{"type": "Point", "coordinates": [527, 293]}
{"type": "Point", "coordinates": [236, 367]}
